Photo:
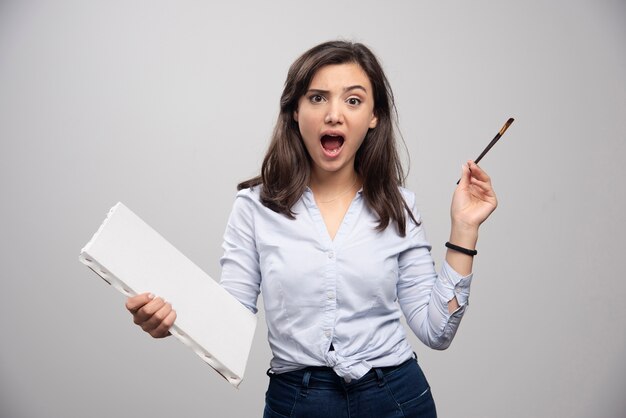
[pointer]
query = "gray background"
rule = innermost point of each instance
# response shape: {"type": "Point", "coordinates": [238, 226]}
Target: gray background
{"type": "Point", "coordinates": [166, 105]}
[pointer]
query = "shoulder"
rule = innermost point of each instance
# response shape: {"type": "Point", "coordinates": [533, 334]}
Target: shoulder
{"type": "Point", "coordinates": [248, 199]}
{"type": "Point", "coordinates": [410, 199]}
{"type": "Point", "coordinates": [411, 203]}
{"type": "Point", "coordinates": [244, 211]}
{"type": "Point", "coordinates": [251, 200]}
{"type": "Point", "coordinates": [251, 193]}
{"type": "Point", "coordinates": [408, 196]}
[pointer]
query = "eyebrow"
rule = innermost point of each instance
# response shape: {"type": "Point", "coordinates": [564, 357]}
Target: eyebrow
{"type": "Point", "coordinates": [345, 89]}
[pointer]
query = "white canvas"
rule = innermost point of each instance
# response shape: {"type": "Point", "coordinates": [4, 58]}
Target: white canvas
{"type": "Point", "coordinates": [134, 258]}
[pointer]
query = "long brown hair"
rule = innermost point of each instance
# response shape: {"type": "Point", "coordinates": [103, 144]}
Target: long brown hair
{"type": "Point", "coordinates": [287, 165]}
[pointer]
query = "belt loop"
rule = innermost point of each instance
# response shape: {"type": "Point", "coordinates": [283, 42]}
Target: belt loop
{"type": "Point", "coordinates": [305, 384]}
{"type": "Point", "coordinates": [380, 376]}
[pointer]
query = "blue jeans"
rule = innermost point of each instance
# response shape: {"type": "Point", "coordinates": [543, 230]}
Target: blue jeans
{"type": "Point", "coordinates": [384, 392]}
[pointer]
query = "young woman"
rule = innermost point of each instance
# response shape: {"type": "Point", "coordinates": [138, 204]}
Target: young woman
{"type": "Point", "coordinates": [336, 245]}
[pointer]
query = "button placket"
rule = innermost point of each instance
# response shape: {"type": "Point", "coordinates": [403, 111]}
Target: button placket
{"type": "Point", "coordinates": [330, 292]}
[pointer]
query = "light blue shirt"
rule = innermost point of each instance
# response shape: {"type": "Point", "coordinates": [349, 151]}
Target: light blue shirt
{"type": "Point", "coordinates": [349, 291]}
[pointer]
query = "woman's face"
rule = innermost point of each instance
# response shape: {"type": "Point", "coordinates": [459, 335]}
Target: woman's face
{"type": "Point", "coordinates": [334, 115]}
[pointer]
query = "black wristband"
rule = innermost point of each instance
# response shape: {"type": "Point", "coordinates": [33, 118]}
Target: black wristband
{"type": "Point", "coordinates": [461, 249]}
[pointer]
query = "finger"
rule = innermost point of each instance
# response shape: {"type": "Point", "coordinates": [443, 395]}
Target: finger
{"type": "Point", "coordinates": [483, 185]}
{"type": "Point", "coordinates": [482, 194]}
{"type": "Point", "coordinates": [465, 175]}
{"type": "Point", "coordinates": [163, 330]}
{"type": "Point", "coordinates": [483, 191]}
{"type": "Point", "coordinates": [133, 304]}
{"type": "Point", "coordinates": [478, 172]}
{"type": "Point", "coordinates": [144, 313]}
{"type": "Point", "coordinates": [155, 320]}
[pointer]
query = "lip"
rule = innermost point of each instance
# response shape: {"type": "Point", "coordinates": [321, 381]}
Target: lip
{"type": "Point", "coordinates": [331, 132]}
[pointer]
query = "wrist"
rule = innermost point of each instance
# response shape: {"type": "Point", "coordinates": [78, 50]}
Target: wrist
{"type": "Point", "coordinates": [466, 237]}
{"type": "Point", "coordinates": [462, 250]}
{"type": "Point", "coordinates": [464, 226]}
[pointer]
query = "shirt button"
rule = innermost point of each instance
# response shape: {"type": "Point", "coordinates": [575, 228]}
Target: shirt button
{"type": "Point", "coordinates": [331, 255]}
{"type": "Point", "coordinates": [327, 334]}
{"type": "Point", "coordinates": [330, 295]}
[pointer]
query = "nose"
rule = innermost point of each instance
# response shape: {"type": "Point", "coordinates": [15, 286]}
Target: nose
{"type": "Point", "coordinates": [334, 114]}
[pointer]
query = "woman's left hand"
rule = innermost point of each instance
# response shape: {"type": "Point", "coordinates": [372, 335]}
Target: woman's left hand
{"type": "Point", "coordinates": [474, 199]}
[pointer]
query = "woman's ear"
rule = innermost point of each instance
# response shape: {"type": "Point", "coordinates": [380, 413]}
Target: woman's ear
{"type": "Point", "coordinates": [374, 121]}
{"type": "Point", "coordinates": [295, 115]}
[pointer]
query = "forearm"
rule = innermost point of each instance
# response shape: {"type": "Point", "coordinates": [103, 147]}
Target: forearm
{"type": "Point", "coordinates": [465, 237]}
{"type": "Point", "coordinates": [425, 306]}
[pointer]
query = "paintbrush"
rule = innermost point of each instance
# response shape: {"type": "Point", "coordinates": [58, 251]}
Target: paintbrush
{"type": "Point", "coordinates": [493, 141]}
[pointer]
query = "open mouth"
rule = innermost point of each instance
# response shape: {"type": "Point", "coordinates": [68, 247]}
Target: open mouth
{"type": "Point", "coordinates": [332, 144]}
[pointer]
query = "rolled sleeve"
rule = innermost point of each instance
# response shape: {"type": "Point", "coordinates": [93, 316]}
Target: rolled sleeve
{"type": "Point", "coordinates": [453, 284]}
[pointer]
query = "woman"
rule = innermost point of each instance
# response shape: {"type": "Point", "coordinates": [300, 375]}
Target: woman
{"type": "Point", "coordinates": [335, 243]}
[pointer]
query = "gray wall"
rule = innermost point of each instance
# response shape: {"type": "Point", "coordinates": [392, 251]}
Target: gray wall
{"type": "Point", "coordinates": [166, 105]}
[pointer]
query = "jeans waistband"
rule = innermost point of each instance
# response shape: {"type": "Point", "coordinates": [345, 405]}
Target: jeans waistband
{"type": "Point", "coordinates": [325, 377]}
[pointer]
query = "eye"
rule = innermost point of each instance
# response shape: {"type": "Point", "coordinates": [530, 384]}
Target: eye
{"type": "Point", "coordinates": [316, 98]}
{"type": "Point", "coordinates": [354, 101]}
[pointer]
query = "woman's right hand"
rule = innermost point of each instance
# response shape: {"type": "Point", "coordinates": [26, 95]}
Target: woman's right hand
{"type": "Point", "coordinates": [152, 314]}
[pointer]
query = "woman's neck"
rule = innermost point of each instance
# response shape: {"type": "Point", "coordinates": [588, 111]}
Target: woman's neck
{"type": "Point", "coordinates": [330, 186]}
